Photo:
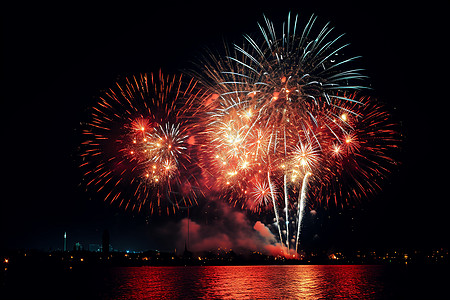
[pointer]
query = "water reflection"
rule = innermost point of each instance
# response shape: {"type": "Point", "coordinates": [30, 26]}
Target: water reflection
{"type": "Point", "coordinates": [245, 282]}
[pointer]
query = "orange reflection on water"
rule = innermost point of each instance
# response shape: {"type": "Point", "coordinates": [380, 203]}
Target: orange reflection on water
{"type": "Point", "coordinates": [264, 282]}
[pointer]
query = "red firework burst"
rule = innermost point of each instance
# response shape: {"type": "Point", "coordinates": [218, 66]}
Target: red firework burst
{"type": "Point", "coordinates": [140, 141]}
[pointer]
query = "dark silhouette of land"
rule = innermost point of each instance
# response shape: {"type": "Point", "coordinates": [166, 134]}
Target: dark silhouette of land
{"type": "Point", "coordinates": [24, 259]}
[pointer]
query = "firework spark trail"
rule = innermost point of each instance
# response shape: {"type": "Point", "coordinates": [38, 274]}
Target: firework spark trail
{"type": "Point", "coordinates": [286, 208]}
{"type": "Point", "coordinates": [301, 208]}
{"type": "Point", "coordinates": [275, 210]}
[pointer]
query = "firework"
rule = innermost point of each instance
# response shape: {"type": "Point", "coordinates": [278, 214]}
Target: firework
{"type": "Point", "coordinates": [286, 74]}
{"type": "Point", "coordinates": [358, 159]}
{"type": "Point", "coordinates": [139, 143]}
{"type": "Point", "coordinates": [286, 125]}
{"type": "Point", "coordinates": [278, 124]}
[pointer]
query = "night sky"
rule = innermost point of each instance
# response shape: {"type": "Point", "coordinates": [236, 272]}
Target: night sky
{"type": "Point", "coordinates": [56, 61]}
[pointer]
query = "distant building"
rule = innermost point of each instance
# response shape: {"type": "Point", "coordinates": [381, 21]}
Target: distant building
{"type": "Point", "coordinates": [95, 248]}
{"type": "Point", "coordinates": [105, 241]}
{"type": "Point", "coordinates": [78, 247]}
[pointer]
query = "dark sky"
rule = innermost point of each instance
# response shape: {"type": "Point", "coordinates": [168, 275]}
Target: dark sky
{"type": "Point", "coordinates": [56, 60]}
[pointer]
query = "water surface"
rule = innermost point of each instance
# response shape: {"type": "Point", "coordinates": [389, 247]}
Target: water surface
{"type": "Point", "coordinates": [248, 282]}
{"type": "Point", "coordinates": [232, 282]}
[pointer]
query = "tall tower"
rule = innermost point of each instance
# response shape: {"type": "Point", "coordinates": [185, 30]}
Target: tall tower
{"type": "Point", "coordinates": [65, 241]}
{"type": "Point", "coordinates": [187, 254]}
{"type": "Point", "coordinates": [187, 230]}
